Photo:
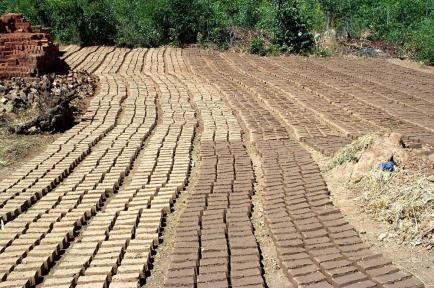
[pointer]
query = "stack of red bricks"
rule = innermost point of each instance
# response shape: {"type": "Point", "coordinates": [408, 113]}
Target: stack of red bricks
{"type": "Point", "coordinates": [25, 50]}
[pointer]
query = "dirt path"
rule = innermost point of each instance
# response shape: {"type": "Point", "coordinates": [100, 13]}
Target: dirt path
{"type": "Point", "coordinates": [90, 210]}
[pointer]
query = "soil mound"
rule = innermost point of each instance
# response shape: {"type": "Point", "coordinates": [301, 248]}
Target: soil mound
{"type": "Point", "coordinates": [49, 103]}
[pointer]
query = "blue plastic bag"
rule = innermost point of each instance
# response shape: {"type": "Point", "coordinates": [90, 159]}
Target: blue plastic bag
{"type": "Point", "coordinates": [388, 166]}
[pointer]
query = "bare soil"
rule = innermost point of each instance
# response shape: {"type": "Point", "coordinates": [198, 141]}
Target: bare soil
{"type": "Point", "coordinates": [418, 260]}
{"type": "Point", "coordinates": [15, 150]}
{"type": "Point", "coordinates": [414, 259]}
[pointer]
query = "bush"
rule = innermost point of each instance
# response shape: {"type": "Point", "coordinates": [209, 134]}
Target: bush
{"type": "Point", "coordinates": [257, 46]}
{"type": "Point", "coordinates": [98, 24]}
{"type": "Point", "coordinates": [408, 24]}
{"type": "Point", "coordinates": [421, 41]}
{"type": "Point", "coordinates": [136, 23]}
{"type": "Point", "coordinates": [182, 20]}
{"type": "Point", "coordinates": [290, 27]}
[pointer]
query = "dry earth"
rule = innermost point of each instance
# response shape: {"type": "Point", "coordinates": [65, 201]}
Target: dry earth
{"type": "Point", "coordinates": [189, 169]}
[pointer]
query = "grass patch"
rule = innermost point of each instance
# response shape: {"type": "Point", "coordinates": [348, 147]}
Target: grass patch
{"type": "Point", "coordinates": [402, 199]}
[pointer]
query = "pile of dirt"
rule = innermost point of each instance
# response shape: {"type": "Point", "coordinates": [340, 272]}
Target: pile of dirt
{"type": "Point", "coordinates": [49, 103]}
{"type": "Point", "coordinates": [402, 199]}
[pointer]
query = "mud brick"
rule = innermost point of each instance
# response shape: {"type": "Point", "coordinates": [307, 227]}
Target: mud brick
{"type": "Point", "coordinates": [382, 270]}
{"type": "Point", "coordinates": [247, 281]}
{"type": "Point", "coordinates": [349, 278]}
{"type": "Point", "coordinates": [293, 264]}
{"type": "Point", "coordinates": [58, 281]}
{"type": "Point", "coordinates": [13, 283]}
{"type": "Point", "coordinates": [180, 282]}
{"type": "Point", "coordinates": [187, 251]}
{"type": "Point", "coordinates": [315, 233]}
{"type": "Point", "coordinates": [93, 280]}
{"type": "Point", "coordinates": [355, 247]}
{"type": "Point", "coordinates": [406, 283]}
{"type": "Point", "coordinates": [211, 277]}
{"type": "Point", "coordinates": [119, 282]}
{"type": "Point", "coordinates": [303, 270]}
{"type": "Point", "coordinates": [185, 257]}
{"type": "Point", "coordinates": [364, 284]}
{"type": "Point", "coordinates": [310, 278]}
{"type": "Point", "coordinates": [66, 275]}
{"type": "Point", "coordinates": [100, 270]}
{"type": "Point", "coordinates": [185, 264]}
{"type": "Point", "coordinates": [216, 284]}
{"type": "Point", "coordinates": [245, 252]}
{"type": "Point", "coordinates": [247, 272]}
{"type": "Point", "coordinates": [23, 276]}
{"type": "Point", "coordinates": [136, 268]}
{"type": "Point", "coordinates": [186, 244]}
{"type": "Point", "coordinates": [391, 277]}
{"type": "Point", "coordinates": [213, 261]}
{"type": "Point", "coordinates": [222, 254]}
{"type": "Point", "coordinates": [324, 250]}
{"type": "Point", "coordinates": [294, 256]}
{"type": "Point", "coordinates": [210, 269]}
{"type": "Point", "coordinates": [322, 284]}
{"type": "Point", "coordinates": [344, 234]}
{"type": "Point", "coordinates": [374, 263]}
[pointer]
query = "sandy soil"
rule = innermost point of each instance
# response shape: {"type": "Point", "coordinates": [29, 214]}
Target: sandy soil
{"type": "Point", "coordinates": [417, 260]}
{"type": "Point", "coordinates": [15, 150]}
{"type": "Point", "coordinates": [412, 65]}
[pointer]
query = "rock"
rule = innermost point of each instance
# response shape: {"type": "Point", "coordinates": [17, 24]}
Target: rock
{"type": "Point", "coordinates": [431, 158]}
{"type": "Point", "coordinates": [431, 178]}
{"type": "Point", "coordinates": [382, 236]}
{"type": "Point", "coordinates": [22, 96]}
{"type": "Point", "coordinates": [56, 91]}
{"type": "Point", "coordinates": [50, 106]}
{"type": "Point", "coordinates": [32, 130]}
{"type": "Point", "coordinates": [8, 107]}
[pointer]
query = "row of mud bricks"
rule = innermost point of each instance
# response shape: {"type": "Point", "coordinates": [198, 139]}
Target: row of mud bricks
{"type": "Point", "coordinates": [25, 50]}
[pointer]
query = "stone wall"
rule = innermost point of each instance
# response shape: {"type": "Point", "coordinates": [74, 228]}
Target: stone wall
{"type": "Point", "coordinates": [25, 50]}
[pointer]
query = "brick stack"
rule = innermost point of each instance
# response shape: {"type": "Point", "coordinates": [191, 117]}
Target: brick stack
{"type": "Point", "coordinates": [25, 50]}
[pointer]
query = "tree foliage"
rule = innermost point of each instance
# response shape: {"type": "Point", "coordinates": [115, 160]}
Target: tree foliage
{"type": "Point", "coordinates": [409, 24]}
{"type": "Point", "coordinates": [291, 28]}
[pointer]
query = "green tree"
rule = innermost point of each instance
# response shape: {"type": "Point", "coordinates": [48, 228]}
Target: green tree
{"type": "Point", "coordinates": [290, 27]}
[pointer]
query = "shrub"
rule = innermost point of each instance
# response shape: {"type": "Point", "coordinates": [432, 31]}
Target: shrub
{"type": "Point", "coordinates": [257, 46]}
{"type": "Point", "coordinates": [182, 20]}
{"type": "Point", "coordinates": [136, 23]}
{"type": "Point", "coordinates": [290, 27]}
{"type": "Point", "coordinates": [421, 41]}
{"type": "Point", "coordinates": [408, 24]}
{"type": "Point", "coordinates": [99, 23]}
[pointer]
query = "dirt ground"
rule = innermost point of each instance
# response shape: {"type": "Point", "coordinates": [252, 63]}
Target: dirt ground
{"type": "Point", "coordinates": [16, 150]}
{"type": "Point", "coordinates": [412, 65]}
{"type": "Point", "coordinates": [195, 167]}
{"type": "Point", "coordinates": [414, 259]}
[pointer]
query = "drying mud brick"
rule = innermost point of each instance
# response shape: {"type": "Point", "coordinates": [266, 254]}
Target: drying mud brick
{"type": "Point", "coordinates": [92, 210]}
{"type": "Point", "coordinates": [25, 50]}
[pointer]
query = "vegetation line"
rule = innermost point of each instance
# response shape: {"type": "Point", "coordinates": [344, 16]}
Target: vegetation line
{"type": "Point", "coordinates": [260, 26]}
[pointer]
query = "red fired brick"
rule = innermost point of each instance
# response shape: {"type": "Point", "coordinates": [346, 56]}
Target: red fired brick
{"type": "Point", "coordinates": [25, 50]}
